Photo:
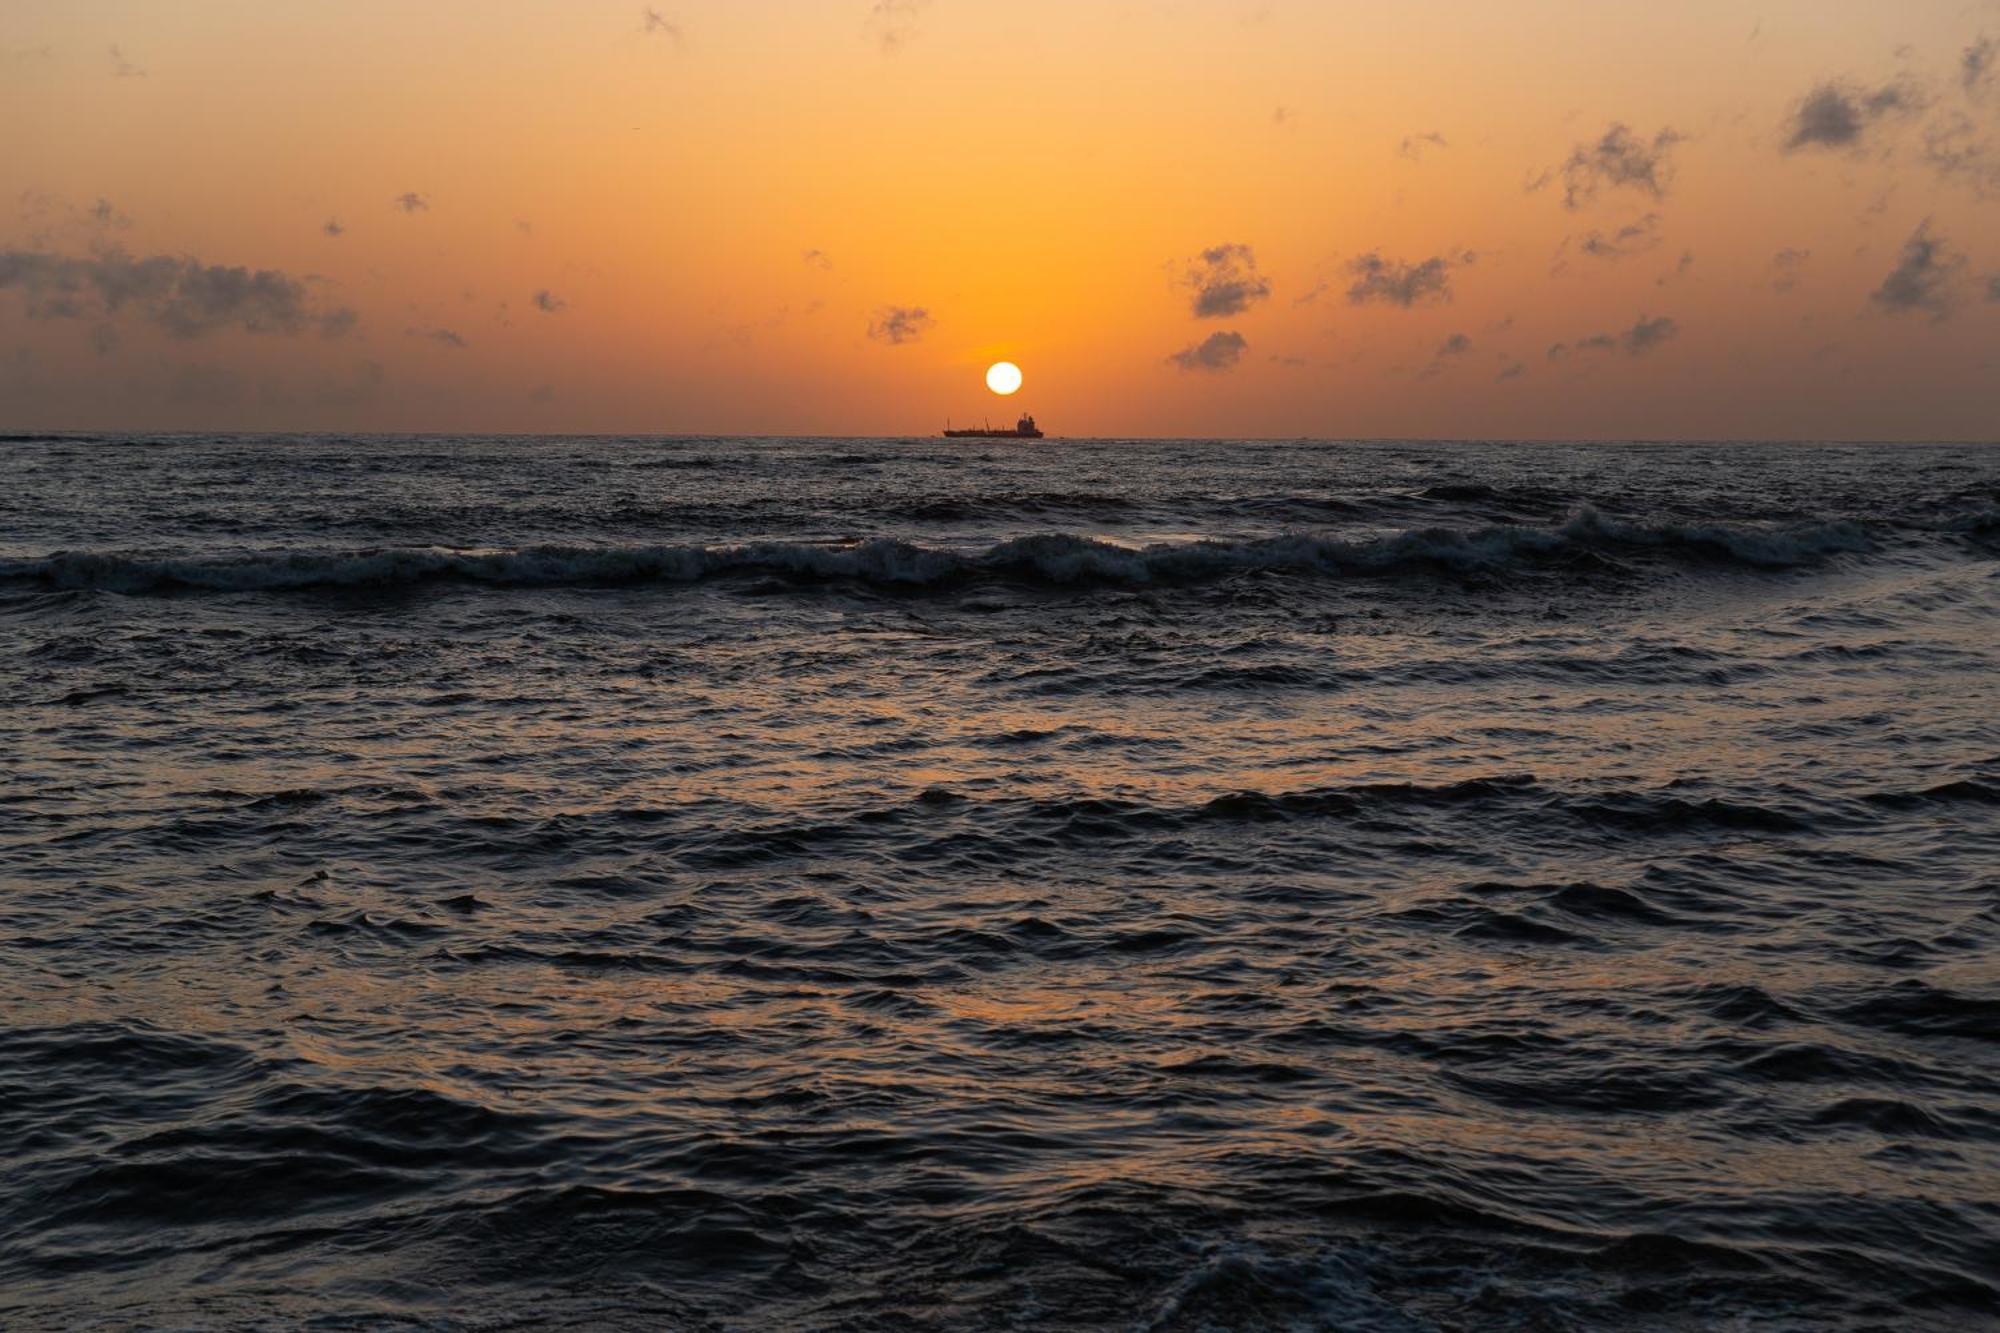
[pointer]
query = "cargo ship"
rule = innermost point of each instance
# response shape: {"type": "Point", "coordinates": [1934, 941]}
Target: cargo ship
{"type": "Point", "coordinates": [1024, 429]}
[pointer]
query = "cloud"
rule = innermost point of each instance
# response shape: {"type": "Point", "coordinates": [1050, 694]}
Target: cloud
{"type": "Point", "coordinates": [893, 23]}
{"type": "Point", "coordinates": [1513, 372]}
{"type": "Point", "coordinates": [1838, 114]}
{"type": "Point", "coordinates": [1397, 282]}
{"type": "Point", "coordinates": [1993, 287]}
{"type": "Point", "coordinates": [1457, 345]}
{"type": "Point", "coordinates": [1619, 159]}
{"type": "Point", "coordinates": [548, 302]}
{"type": "Point", "coordinates": [1644, 336]}
{"type": "Point", "coordinates": [121, 68]}
{"type": "Point", "coordinates": [1955, 147]}
{"type": "Point", "coordinates": [819, 259]}
{"type": "Point", "coordinates": [1976, 65]}
{"type": "Point", "coordinates": [412, 202]}
{"type": "Point", "coordinates": [1634, 238]}
{"type": "Point", "coordinates": [1225, 282]}
{"type": "Point", "coordinates": [898, 324]}
{"type": "Point", "coordinates": [1282, 115]}
{"type": "Point", "coordinates": [652, 22]}
{"type": "Point", "coordinates": [448, 337]}
{"type": "Point", "coordinates": [1415, 145]}
{"type": "Point", "coordinates": [104, 339]}
{"type": "Point", "coordinates": [1647, 334]}
{"type": "Point", "coordinates": [183, 297]}
{"type": "Point", "coordinates": [1923, 278]}
{"type": "Point", "coordinates": [1785, 266]}
{"type": "Point", "coordinates": [333, 227]}
{"type": "Point", "coordinates": [1215, 353]}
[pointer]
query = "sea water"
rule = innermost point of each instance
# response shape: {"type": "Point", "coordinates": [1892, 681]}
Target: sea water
{"type": "Point", "coordinates": [480, 881]}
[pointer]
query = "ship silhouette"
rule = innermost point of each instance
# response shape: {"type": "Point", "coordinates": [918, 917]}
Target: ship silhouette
{"type": "Point", "coordinates": [1024, 429]}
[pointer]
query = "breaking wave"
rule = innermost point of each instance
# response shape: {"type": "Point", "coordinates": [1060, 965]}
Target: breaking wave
{"type": "Point", "coordinates": [1056, 558]}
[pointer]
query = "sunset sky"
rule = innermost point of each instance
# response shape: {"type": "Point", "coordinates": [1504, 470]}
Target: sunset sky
{"type": "Point", "coordinates": [1550, 218]}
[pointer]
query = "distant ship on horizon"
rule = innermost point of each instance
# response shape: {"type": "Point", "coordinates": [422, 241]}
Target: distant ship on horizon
{"type": "Point", "coordinates": [1024, 429]}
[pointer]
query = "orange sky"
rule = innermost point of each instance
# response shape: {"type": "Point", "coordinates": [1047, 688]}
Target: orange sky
{"type": "Point", "coordinates": [727, 206]}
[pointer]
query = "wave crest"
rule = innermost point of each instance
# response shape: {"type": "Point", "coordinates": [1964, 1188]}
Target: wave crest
{"type": "Point", "coordinates": [1059, 558]}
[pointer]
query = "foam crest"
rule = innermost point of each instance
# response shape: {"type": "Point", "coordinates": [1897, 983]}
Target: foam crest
{"type": "Point", "coordinates": [1058, 558]}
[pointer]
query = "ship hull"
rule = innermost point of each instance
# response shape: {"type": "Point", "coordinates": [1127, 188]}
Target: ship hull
{"type": "Point", "coordinates": [993, 434]}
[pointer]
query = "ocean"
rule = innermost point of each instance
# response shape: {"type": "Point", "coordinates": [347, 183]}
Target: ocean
{"type": "Point", "coordinates": [497, 882]}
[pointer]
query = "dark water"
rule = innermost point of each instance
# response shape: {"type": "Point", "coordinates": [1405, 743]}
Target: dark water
{"type": "Point", "coordinates": [891, 885]}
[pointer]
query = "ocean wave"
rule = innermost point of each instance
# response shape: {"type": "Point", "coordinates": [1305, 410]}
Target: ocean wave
{"type": "Point", "coordinates": [1052, 558]}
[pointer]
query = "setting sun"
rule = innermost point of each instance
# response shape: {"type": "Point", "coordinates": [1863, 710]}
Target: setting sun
{"type": "Point", "coordinates": [1003, 377]}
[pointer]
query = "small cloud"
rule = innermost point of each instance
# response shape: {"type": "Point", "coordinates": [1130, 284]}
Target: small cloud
{"type": "Point", "coordinates": [447, 337]}
{"type": "Point", "coordinates": [542, 393]}
{"type": "Point", "coordinates": [1993, 287]}
{"type": "Point", "coordinates": [333, 228]}
{"type": "Point", "coordinates": [1225, 282]}
{"type": "Point", "coordinates": [1975, 66]}
{"type": "Point", "coordinates": [1634, 238]}
{"type": "Point", "coordinates": [412, 202]}
{"type": "Point", "coordinates": [548, 302]}
{"type": "Point", "coordinates": [1215, 353]}
{"type": "Point", "coordinates": [1956, 148]}
{"type": "Point", "coordinates": [1396, 282]}
{"type": "Point", "coordinates": [1513, 371]}
{"type": "Point", "coordinates": [1923, 277]}
{"type": "Point", "coordinates": [121, 68]}
{"type": "Point", "coordinates": [654, 23]}
{"type": "Point", "coordinates": [1679, 271]}
{"type": "Point", "coordinates": [893, 23]}
{"type": "Point", "coordinates": [1838, 114]}
{"type": "Point", "coordinates": [1785, 266]}
{"type": "Point", "coordinates": [1291, 362]}
{"type": "Point", "coordinates": [104, 215]}
{"type": "Point", "coordinates": [1414, 146]}
{"type": "Point", "coordinates": [1641, 338]}
{"type": "Point", "coordinates": [1647, 334]}
{"type": "Point", "coordinates": [1619, 159]}
{"type": "Point", "coordinates": [898, 324]}
{"type": "Point", "coordinates": [1457, 345]}
{"type": "Point", "coordinates": [525, 227]}
{"type": "Point", "coordinates": [818, 259]}
{"type": "Point", "coordinates": [104, 339]}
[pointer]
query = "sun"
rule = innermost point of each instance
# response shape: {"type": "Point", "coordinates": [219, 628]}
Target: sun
{"type": "Point", "coordinates": [1003, 377]}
